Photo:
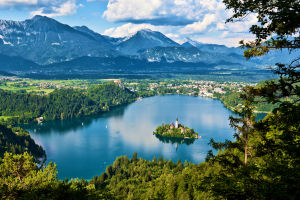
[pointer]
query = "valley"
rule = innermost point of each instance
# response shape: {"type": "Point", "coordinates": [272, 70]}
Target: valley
{"type": "Point", "coordinates": [226, 91]}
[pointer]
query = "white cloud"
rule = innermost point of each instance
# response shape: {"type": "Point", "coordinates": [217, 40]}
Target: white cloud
{"type": "Point", "coordinates": [173, 36]}
{"type": "Point", "coordinates": [227, 38]}
{"type": "Point", "coordinates": [130, 9]}
{"type": "Point", "coordinates": [156, 12]}
{"type": "Point", "coordinates": [130, 29]}
{"type": "Point", "coordinates": [176, 19]}
{"type": "Point", "coordinates": [50, 8]}
{"type": "Point", "coordinates": [224, 34]}
{"type": "Point", "coordinates": [242, 26]}
{"type": "Point", "coordinates": [66, 8]}
{"type": "Point", "coordinates": [215, 19]}
{"type": "Point", "coordinates": [198, 27]}
{"type": "Point", "coordinates": [127, 29]}
{"type": "Point", "coordinates": [13, 2]}
{"type": "Point", "coordinates": [196, 16]}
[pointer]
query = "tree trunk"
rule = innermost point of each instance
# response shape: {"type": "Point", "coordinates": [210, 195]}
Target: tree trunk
{"type": "Point", "coordinates": [246, 153]}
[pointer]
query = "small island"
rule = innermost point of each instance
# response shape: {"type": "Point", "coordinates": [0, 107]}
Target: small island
{"type": "Point", "coordinates": [175, 131]}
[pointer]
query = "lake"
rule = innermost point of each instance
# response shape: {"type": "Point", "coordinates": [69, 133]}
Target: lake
{"type": "Point", "coordinates": [83, 147]}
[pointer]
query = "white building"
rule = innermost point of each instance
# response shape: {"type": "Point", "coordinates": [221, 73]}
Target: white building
{"type": "Point", "coordinates": [176, 123]}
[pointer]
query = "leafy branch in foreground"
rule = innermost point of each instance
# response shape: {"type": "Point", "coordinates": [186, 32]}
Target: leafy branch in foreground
{"type": "Point", "coordinates": [273, 172]}
{"type": "Point", "coordinates": [277, 27]}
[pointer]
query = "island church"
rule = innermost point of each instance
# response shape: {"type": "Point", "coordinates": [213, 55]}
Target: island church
{"type": "Point", "coordinates": [176, 124]}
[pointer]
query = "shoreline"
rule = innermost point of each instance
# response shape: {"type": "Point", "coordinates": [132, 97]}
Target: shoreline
{"type": "Point", "coordinates": [136, 100]}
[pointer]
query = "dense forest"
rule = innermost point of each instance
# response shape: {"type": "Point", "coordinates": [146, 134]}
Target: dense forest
{"type": "Point", "coordinates": [20, 178]}
{"type": "Point", "coordinates": [133, 178]}
{"type": "Point", "coordinates": [18, 141]}
{"type": "Point", "coordinates": [63, 103]}
{"type": "Point", "coordinates": [137, 178]}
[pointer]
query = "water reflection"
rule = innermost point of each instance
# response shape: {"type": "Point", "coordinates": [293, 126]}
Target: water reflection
{"type": "Point", "coordinates": [83, 147]}
{"type": "Point", "coordinates": [134, 129]}
{"type": "Point", "coordinates": [260, 116]}
{"type": "Point", "coordinates": [174, 140]}
{"type": "Point", "coordinates": [74, 124]}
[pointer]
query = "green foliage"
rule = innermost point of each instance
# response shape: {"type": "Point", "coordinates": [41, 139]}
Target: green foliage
{"type": "Point", "coordinates": [275, 17]}
{"type": "Point", "coordinates": [166, 131]}
{"type": "Point", "coordinates": [142, 179]}
{"type": "Point", "coordinates": [278, 146]}
{"type": "Point", "coordinates": [273, 168]}
{"type": "Point", "coordinates": [63, 103]}
{"type": "Point", "coordinates": [20, 178]}
{"type": "Point", "coordinates": [18, 141]}
{"type": "Point", "coordinates": [110, 94]}
{"type": "Point", "coordinates": [233, 101]}
{"type": "Point", "coordinates": [263, 162]}
{"type": "Point", "coordinates": [272, 144]}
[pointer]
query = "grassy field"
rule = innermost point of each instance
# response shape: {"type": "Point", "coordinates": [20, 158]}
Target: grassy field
{"type": "Point", "coordinates": [45, 86]}
{"type": "Point", "coordinates": [4, 118]}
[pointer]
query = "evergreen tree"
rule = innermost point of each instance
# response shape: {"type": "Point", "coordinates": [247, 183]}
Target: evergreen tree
{"type": "Point", "coordinates": [274, 169]}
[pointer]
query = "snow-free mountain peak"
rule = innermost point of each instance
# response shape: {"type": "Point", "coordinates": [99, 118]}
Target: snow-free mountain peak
{"type": "Point", "coordinates": [144, 39]}
{"type": "Point", "coordinates": [44, 40]}
{"type": "Point", "coordinates": [38, 17]}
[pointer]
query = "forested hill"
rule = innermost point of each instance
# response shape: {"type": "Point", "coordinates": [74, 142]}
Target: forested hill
{"type": "Point", "coordinates": [63, 103]}
{"type": "Point", "coordinates": [138, 178]}
{"type": "Point", "coordinates": [18, 141]}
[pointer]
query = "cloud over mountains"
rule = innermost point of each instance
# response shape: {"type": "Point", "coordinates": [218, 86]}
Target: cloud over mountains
{"type": "Point", "coordinates": [50, 8]}
{"type": "Point", "coordinates": [158, 12]}
{"type": "Point", "coordinates": [198, 19]}
{"type": "Point", "coordinates": [177, 17]}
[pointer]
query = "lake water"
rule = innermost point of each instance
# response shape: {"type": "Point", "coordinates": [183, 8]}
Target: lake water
{"type": "Point", "coordinates": [83, 147]}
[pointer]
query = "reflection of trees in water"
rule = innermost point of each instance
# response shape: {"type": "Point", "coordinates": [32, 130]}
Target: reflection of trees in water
{"type": "Point", "coordinates": [117, 112]}
{"type": "Point", "coordinates": [260, 116]}
{"type": "Point", "coordinates": [60, 126]}
{"type": "Point", "coordinates": [74, 124]}
{"type": "Point", "coordinates": [174, 140]}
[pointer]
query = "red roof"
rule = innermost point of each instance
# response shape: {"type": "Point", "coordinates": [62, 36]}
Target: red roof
{"type": "Point", "coordinates": [172, 125]}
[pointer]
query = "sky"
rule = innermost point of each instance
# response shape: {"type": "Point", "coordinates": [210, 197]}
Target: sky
{"type": "Point", "coordinates": [200, 20]}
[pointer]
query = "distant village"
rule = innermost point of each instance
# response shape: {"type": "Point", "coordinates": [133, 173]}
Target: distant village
{"type": "Point", "coordinates": [186, 87]}
{"type": "Point", "coordinates": [194, 88]}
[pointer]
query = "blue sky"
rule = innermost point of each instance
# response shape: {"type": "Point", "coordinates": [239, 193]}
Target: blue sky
{"type": "Point", "coordinates": [201, 20]}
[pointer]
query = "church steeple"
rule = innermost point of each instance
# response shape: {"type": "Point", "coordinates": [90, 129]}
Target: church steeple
{"type": "Point", "coordinates": [176, 123]}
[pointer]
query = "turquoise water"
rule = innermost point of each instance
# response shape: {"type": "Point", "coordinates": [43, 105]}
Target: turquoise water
{"type": "Point", "coordinates": [83, 147]}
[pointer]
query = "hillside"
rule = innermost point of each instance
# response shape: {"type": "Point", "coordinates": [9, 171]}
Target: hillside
{"type": "Point", "coordinates": [18, 141]}
{"type": "Point", "coordinates": [62, 103]}
{"type": "Point", "coordinates": [44, 40]}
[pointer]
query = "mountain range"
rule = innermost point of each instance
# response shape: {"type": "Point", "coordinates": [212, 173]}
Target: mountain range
{"type": "Point", "coordinates": [43, 44]}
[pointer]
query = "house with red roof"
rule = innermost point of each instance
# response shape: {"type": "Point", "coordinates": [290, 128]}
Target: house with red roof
{"type": "Point", "coordinates": [172, 125]}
